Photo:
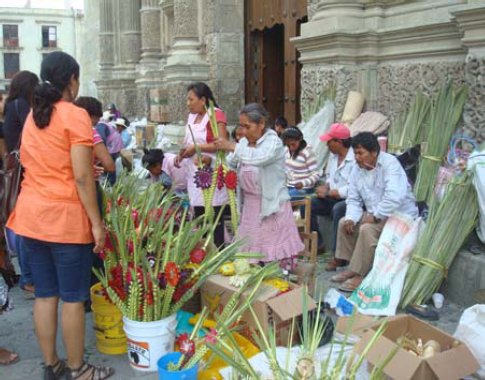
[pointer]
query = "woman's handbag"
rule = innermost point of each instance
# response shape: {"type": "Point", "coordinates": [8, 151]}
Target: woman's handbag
{"type": "Point", "coordinates": [10, 178]}
{"type": "Point", "coordinates": [10, 175]}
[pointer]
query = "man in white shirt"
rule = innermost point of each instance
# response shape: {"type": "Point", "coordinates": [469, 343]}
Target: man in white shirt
{"type": "Point", "coordinates": [330, 197]}
{"type": "Point", "coordinates": [378, 183]}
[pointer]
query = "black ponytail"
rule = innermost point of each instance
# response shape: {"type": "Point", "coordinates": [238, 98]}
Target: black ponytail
{"type": "Point", "coordinates": [294, 133]}
{"type": "Point", "coordinates": [200, 89]}
{"type": "Point", "coordinates": [56, 71]}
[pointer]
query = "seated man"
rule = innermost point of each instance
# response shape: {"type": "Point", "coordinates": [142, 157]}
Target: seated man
{"type": "Point", "coordinates": [378, 183]}
{"type": "Point", "coordinates": [330, 200]}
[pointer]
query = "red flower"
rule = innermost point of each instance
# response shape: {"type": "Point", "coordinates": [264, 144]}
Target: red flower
{"type": "Point", "coordinates": [197, 255]}
{"type": "Point", "coordinates": [135, 217]}
{"type": "Point", "coordinates": [220, 177]}
{"type": "Point", "coordinates": [231, 180]}
{"type": "Point", "coordinates": [108, 207]}
{"type": "Point", "coordinates": [179, 293]}
{"type": "Point", "coordinates": [108, 244]}
{"type": "Point", "coordinates": [172, 273]}
{"type": "Point", "coordinates": [130, 246]}
{"type": "Point", "coordinates": [211, 336]}
{"type": "Point", "coordinates": [186, 345]}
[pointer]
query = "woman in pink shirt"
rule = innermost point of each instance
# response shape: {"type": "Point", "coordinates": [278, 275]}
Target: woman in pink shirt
{"type": "Point", "coordinates": [198, 97]}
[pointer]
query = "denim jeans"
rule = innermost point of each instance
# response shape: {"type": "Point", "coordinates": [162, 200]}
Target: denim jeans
{"type": "Point", "coordinates": [24, 263]}
{"type": "Point", "coordinates": [327, 207]}
{"type": "Point", "coordinates": [297, 194]}
{"type": "Point", "coordinates": [60, 269]}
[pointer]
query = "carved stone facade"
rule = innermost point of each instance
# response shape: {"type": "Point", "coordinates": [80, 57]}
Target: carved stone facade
{"type": "Point", "coordinates": [397, 84]}
{"type": "Point", "coordinates": [386, 50]}
{"type": "Point", "coordinates": [394, 49]}
{"type": "Point", "coordinates": [171, 44]}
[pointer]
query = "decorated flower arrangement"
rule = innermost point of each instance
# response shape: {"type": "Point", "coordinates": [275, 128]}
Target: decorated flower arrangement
{"type": "Point", "coordinates": [155, 258]}
{"type": "Point", "coordinates": [218, 327]}
{"type": "Point", "coordinates": [297, 363]}
{"type": "Point", "coordinates": [208, 178]}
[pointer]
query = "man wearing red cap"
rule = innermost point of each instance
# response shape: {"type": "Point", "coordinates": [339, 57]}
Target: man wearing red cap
{"type": "Point", "coordinates": [330, 200]}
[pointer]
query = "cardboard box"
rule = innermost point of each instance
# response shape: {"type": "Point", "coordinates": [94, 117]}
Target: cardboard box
{"type": "Point", "coordinates": [144, 135]}
{"type": "Point", "coordinates": [355, 326]}
{"type": "Point", "coordinates": [159, 106]}
{"type": "Point", "coordinates": [454, 362]}
{"type": "Point", "coordinates": [269, 307]}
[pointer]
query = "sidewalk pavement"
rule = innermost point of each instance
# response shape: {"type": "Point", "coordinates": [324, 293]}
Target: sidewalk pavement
{"type": "Point", "coordinates": [17, 334]}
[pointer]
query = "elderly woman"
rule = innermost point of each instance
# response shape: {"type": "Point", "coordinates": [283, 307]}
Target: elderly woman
{"type": "Point", "coordinates": [267, 222]}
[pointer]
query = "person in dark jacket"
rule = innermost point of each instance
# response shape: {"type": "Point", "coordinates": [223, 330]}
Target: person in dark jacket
{"type": "Point", "coordinates": [17, 107]}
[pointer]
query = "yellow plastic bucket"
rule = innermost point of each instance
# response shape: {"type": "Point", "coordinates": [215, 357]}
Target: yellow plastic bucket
{"type": "Point", "coordinates": [108, 324]}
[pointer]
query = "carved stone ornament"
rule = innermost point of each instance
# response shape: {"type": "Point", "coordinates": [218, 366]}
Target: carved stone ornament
{"type": "Point", "coordinates": [474, 113]}
{"type": "Point", "coordinates": [317, 78]}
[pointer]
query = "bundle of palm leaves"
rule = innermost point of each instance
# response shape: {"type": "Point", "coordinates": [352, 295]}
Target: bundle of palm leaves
{"type": "Point", "coordinates": [409, 129]}
{"type": "Point", "coordinates": [449, 224]}
{"type": "Point", "coordinates": [445, 113]}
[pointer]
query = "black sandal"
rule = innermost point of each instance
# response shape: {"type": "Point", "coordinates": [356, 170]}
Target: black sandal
{"type": "Point", "coordinates": [90, 372]}
{"type": "Point", "coordinates": [55, 371]}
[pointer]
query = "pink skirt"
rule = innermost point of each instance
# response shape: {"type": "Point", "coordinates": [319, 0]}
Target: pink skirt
{"type": "Point", "coordinates": [275, 236]}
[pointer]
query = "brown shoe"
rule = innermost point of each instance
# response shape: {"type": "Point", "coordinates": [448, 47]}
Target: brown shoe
{"type": "Point", "coordinates": [343, 276]}
{"type": "Point", "coordinates": [333, 264]}
{"type": "Point", "coordinates": [351, 284]}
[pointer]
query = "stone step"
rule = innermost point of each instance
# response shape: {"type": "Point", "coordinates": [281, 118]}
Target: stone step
{"type": "Point", "coordinates": [466, 277]}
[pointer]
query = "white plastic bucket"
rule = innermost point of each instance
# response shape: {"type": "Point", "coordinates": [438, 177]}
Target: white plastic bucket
{"type": "Point", "coordinates": [149, 341]}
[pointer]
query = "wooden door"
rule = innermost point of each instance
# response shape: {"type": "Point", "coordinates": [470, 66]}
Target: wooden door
{"type": "Point", "coordinates": [272, 68]}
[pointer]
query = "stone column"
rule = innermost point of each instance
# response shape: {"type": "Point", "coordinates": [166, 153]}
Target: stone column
{"type": "Point", "coordinates": [329, 9]}
{"type": "Point", "coordinates": [130, 32]}
{"type": "Point", "coordinates": [185, 61]}
{"type": "Point", "coordinates": [471, 22]}
{"type": "Point", "coordinates": [167, 26]}
{"type": "Point", "coordinates": [106, 37]}
{"type": "Point", "coordinates": [150, 31]}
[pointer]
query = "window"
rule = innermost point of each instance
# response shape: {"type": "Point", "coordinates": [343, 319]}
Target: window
{"type": "Point", "coordinates": [10, 35]}
{"type": "Point", "coordinates": [49, 36]}
{"type": "Point", "coordinates": [11, 64]}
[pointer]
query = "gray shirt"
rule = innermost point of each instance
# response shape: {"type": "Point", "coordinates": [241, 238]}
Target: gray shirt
{"type": "Point", "coordinates": [383, 191]}
{"type": "Point", "coordinates": [269, 156]}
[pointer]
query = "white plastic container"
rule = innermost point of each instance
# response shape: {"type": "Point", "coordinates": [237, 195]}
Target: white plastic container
{"type": "Point", "coordinates": [149, 341]}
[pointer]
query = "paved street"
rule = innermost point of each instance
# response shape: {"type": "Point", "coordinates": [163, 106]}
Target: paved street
{"type": "Point", "coordinates": [16, 333]}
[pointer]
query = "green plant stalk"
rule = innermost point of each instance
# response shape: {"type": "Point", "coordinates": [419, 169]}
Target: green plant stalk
{"type": "Point", "coordinates": [446, 111]}
{"type": "Point", "coordinates": [449, 223]}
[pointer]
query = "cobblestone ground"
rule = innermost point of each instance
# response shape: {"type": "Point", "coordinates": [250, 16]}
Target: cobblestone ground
{"type": "Point", "coordinates": [16, 333]}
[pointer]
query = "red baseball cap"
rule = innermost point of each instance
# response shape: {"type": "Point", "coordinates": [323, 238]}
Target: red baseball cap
{"type": "Point", "coordinates": [337, 131]}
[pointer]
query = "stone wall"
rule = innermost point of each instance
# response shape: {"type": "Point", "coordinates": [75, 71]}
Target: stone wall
{"type": "Point", "coordinates": [315, 79]}
{"type": "Point", "coordinates": [398, 83]}
{"type": "Point", "coordinates": [394, 49]}
{"type": "Point", "coordinates": [174, 43]}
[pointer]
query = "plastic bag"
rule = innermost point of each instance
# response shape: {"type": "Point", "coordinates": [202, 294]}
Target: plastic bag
{"type": "Point", "coordinates": [380, 292]}
{"type": "Point", "coordinates": [476, 162]}
{"type": "Point", "coordinates": [471, 331]}
{"type": "Point", "coordinates": [317, 126]}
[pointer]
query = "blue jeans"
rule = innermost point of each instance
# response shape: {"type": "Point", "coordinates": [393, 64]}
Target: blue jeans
{"type": "Point", "coordinates": [297, 194]}
{"type": "Point", "coordinates": [24, 264]}
{"type": "Point", "coordinates": [327, 207]}
{"type": "Point", "coordinates": [60, 269]}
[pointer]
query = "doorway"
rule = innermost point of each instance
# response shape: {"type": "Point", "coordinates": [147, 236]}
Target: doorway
{"type": "Point", "coordinates": [272, 67]}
